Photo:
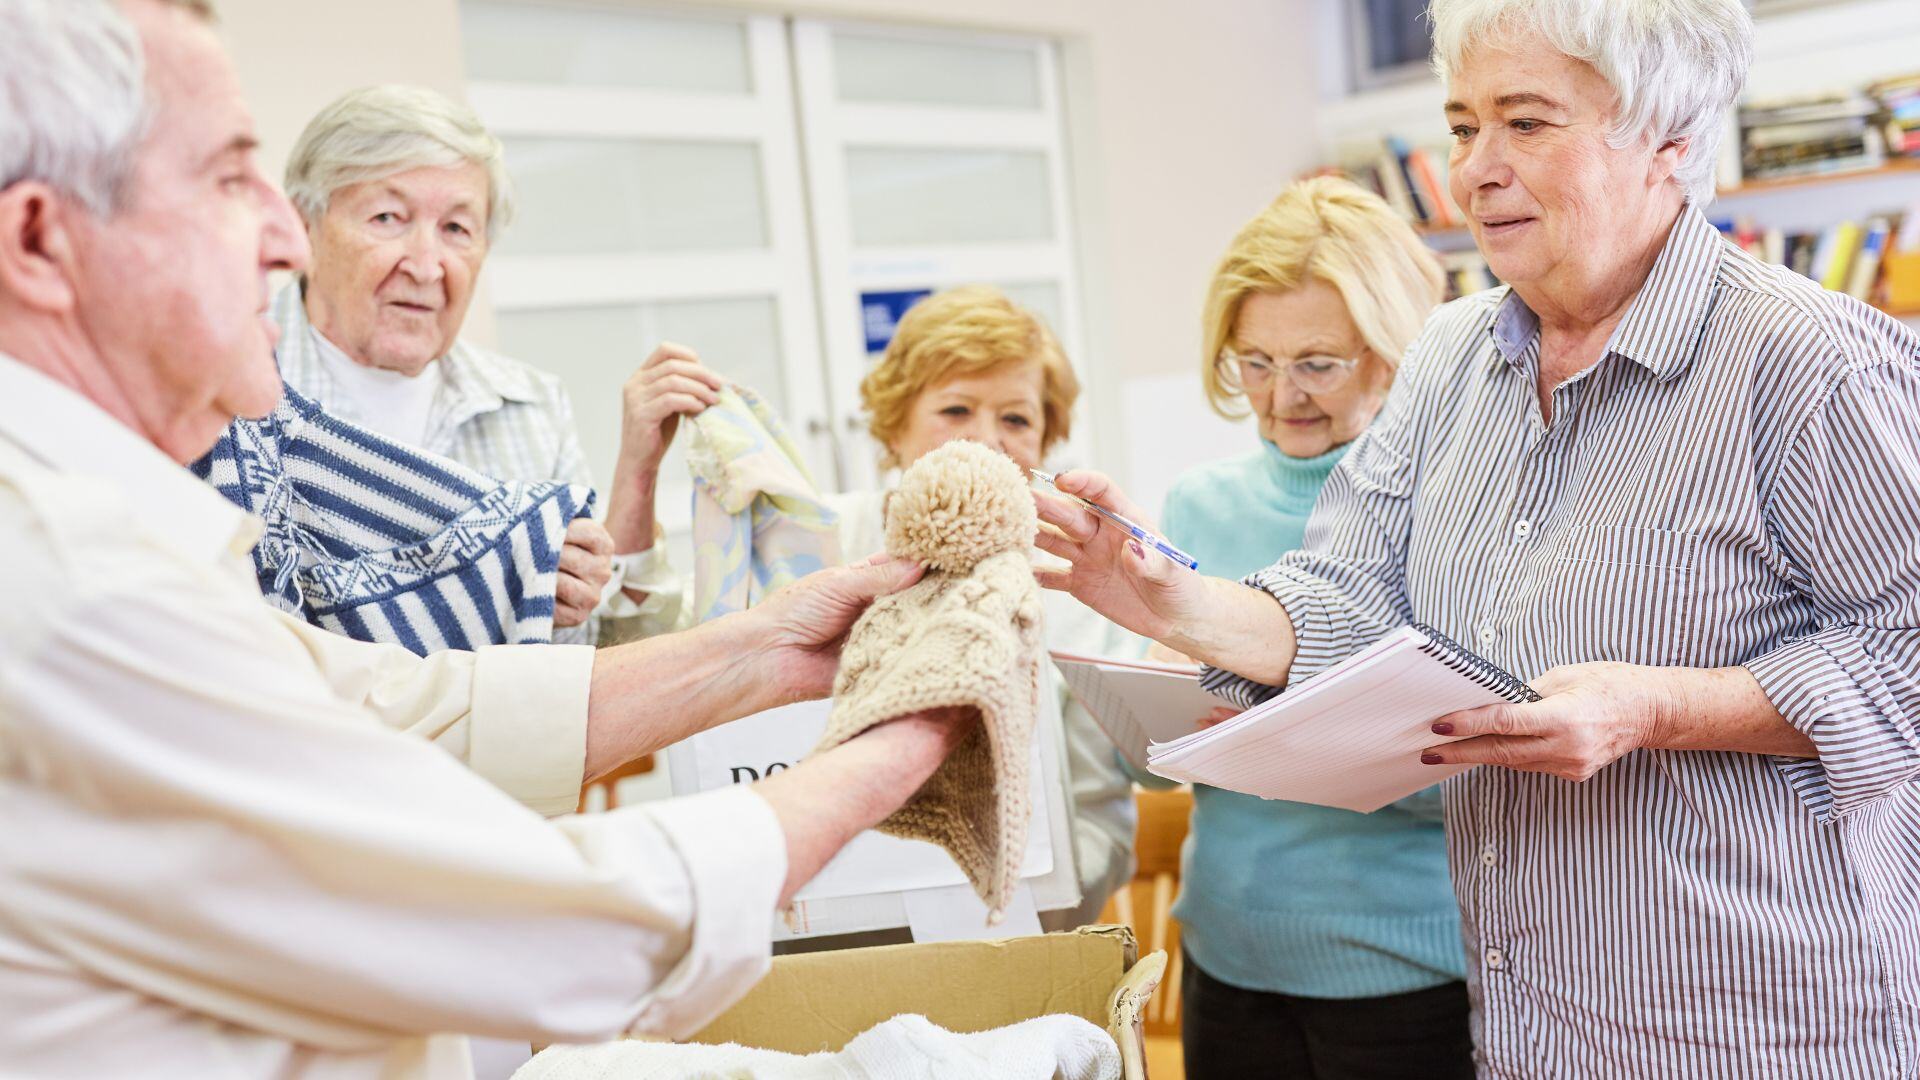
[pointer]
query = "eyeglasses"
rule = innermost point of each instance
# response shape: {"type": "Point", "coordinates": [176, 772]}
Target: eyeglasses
{"type": "Point", "coordinates": [1252, 372]}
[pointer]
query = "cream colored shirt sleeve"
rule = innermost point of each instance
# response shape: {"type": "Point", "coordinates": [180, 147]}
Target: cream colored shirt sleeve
{"type": "Point", "coordinates": [205, 804]}
{"type": "Point", "coordinates": [516, 714]}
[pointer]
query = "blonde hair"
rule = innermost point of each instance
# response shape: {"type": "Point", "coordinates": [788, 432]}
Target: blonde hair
{"type": "Point", "coordinates": [1324, 229]}
{"type": "Point", "coordinates": [965, 331]}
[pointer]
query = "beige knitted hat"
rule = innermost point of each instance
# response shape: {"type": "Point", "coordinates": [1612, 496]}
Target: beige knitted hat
{"type": "Point", "coordinates": [967, 634]}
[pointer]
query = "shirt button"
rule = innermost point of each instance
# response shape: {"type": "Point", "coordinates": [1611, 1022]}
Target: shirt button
{"type": "Point", "coordinates": [1486, 635]}
{"type": "Point", "coordinates": [1522, 529]}
{"type": "Point", "coordinates": [1487, 855]}
{"type": "Point", "coordinates": [1495, 958]}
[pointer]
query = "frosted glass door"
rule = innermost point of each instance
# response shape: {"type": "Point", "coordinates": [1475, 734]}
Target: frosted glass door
{"type": "Point", "coordinates": [933, 159]}
{"type": "Point", "coordinates": [659, 185]}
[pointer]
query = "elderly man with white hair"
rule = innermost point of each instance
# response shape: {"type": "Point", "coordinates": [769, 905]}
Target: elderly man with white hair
{"type": "Point", "coordinates": [218, 857]}
{"type": "Point", "coordinates": [1679, 491]}
{"type": "Point", "coordinates": [403, 193]}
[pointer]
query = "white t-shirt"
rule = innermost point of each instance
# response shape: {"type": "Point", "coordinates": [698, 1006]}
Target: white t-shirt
{"type": "Point", "coordinates": [387, 402]}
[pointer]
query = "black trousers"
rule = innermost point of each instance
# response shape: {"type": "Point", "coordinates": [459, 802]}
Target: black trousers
{"type": "Point", "coordinates": [1228, 1033]}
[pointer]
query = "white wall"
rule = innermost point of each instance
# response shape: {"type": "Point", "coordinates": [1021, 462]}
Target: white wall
{"type": "Point", "coordinates": [1183, 120]}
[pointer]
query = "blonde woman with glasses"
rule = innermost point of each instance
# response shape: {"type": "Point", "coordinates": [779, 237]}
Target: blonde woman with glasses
{"type": "Point", "coordinates": [1321, 943]}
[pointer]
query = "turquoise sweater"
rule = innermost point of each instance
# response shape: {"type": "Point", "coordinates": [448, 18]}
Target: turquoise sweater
{"type": "Point", "coordinates": [1285, 897]}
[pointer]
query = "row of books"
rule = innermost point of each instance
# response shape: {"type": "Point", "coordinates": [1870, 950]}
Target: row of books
{"type": "Point", "coordinates": [1466, 272]}
{"type": "Point", "coordinates": [1412, 179]}
{"type": "Point", "coordinates": [1845, 257]}
{"type": "Point", "coordinates": [1808, 136]}
{"type": "Point", "coordinates": [1899, 101]}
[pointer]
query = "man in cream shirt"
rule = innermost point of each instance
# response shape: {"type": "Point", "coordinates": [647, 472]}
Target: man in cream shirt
{"type": "Point", "coordinates": [219, 857]}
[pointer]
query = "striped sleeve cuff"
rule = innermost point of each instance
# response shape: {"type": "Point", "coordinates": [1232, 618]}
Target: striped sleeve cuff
{"type": "Point", "coordinates": [1320, 639]}
{"type": "Point", "coordinates": [528, 731]}
{"type": "Point", "coordinates": [735, 856]}
{"type": "Point", "coordinates": [1831, 687]}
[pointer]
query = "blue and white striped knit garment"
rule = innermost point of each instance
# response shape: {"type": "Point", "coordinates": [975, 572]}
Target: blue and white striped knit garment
{"type": "Point", "coordinates": [380, 542]}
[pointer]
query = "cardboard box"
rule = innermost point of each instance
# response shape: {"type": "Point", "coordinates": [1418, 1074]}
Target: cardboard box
{"type": "Point", "coordinates": [812, 1002]}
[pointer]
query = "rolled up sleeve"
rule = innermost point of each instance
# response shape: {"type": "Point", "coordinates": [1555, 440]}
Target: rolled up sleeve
{"type": "Point", "coordinates": [223, 794]}
{"type": "Point", "coordinates": [1846, 510]}
{"type": "Point", "coordinates": [528, 724]}
{"type": "Point", "coordinates": [515, 714]}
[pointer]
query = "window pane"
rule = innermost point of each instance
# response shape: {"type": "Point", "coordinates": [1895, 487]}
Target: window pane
{"type": "Point", "coordinates": [886, 69]}
{"type": "Point", "coordinates": [1397, 33]}
{"type": "Point", "coordinates": [948, 196]}
{"type": "Point", "coordinates": [598, 196]}
{"type": "Point", "coordinates": [581, 47]}
{"type": "Point", "coordinates": [1043, 299]}
{"type": "Point", "coordinates": [594, 349]}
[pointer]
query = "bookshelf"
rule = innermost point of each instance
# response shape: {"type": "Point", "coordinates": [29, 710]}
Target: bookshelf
{"type": "Point", "coordinates": [1801, 202]}
{"type": "Point", "coordinates": [1894, 168]}
{"type": "Point", "coordinates": [1899, 168]}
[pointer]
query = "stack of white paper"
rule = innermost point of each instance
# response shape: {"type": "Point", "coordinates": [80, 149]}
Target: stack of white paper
{"type": "Point", "coordinates": [1350, 737]}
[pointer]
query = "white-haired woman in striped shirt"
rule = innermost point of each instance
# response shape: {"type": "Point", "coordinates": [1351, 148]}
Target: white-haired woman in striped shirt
{"type": "Point", "coordinates": [1678, 490]}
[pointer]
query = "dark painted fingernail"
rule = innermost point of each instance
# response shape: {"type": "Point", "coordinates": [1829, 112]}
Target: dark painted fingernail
{"type": "Point", "coordinates": [1443, 728]}
{"type": "Point", "coordinates": [1429, 758]}
{"type": "Point", "coordinates": [1138, 551]}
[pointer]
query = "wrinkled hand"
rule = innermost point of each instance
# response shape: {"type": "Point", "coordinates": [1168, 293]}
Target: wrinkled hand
{"type": "Point", "coordinates": [670, 383]}
{"type": "Point", "coordinates": [806, 623]}
{"type": "Point", "coordinates": [1589, 716]}
{"type": "Point", "coordinates": [1111, 572]}
{"type": "Point", "coordinates": [586, 562]}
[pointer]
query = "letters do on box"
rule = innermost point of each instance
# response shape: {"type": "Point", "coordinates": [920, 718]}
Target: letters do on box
{"type": "Point", "coordinates": [747, 774]}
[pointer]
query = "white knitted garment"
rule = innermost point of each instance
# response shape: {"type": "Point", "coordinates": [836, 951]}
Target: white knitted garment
{"type": "Point", "coordinates": [967, 634]}
{"type": "Point", "coordinates": [1045, 1048]}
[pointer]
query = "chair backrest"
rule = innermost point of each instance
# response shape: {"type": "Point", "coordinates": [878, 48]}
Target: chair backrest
{"type": "Point", "coordinates": [1146, 904]}
{"type": "Point", "coordinates": [604, 794]}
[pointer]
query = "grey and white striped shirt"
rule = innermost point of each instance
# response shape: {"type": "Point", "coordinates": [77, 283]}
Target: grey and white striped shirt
{"type": "Point", "coordinates": [1736, 482]}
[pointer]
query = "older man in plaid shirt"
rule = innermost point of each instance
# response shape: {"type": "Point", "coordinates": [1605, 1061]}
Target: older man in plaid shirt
{"type": "Point", "coordinates": [403, 192]}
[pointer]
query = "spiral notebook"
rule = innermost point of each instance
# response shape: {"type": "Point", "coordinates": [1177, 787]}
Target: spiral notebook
{"type": "Point", "coordinates": [1137, 702]}
{"type": "Point", "coordinates": [1350, 737]}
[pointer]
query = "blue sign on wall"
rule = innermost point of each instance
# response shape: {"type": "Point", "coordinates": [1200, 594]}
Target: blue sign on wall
{"type": "Point", "coordinates": [880, 314]}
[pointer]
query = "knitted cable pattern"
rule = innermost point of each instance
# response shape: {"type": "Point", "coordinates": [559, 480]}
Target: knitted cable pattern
{"type": "Point", "coordinates": [968, 634]}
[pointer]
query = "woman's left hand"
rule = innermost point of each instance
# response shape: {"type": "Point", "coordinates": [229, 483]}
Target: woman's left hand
{"type": "Point", "coordinates": [1588, 716]}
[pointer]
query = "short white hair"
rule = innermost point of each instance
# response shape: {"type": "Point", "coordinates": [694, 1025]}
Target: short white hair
{"type": "Point", "coordinates": [1676, 66]}
{"type": "Point", "coordinates": [73, 101]}
{"type": "Point", "coordinates": [381, 131]}
{"type": "Point", "coordinates": [73, 96]}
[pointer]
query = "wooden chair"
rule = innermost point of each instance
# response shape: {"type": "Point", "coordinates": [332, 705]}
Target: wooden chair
{"type": "Point", "coordinates": [603, 794]}
{"type": "Point", "coordinates": [1146, 904]}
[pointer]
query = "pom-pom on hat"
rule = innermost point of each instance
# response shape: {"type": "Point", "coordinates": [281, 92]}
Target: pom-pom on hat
{"type": "Point", "coordinates": [959, 504]}
{"type": "Point", "coordinates": [966, 635]}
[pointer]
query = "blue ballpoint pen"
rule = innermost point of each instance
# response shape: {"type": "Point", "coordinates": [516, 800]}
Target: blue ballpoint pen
{"type": "Point", "coordinates": [1135, 531]}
